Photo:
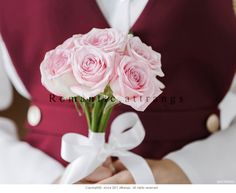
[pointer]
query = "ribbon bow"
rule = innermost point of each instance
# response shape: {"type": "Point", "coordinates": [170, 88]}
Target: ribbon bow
{"type": "Point", "coordinates": [85, 154]}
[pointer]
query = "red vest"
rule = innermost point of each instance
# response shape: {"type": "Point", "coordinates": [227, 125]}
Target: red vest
{"type": "Point", "coordinates": [197, 40]}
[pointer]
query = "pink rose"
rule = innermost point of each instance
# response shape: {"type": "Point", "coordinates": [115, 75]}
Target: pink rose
{"type": "Point", "coordinates": [135, 84]}
{"type": "Point", "coordinates": [92, 69]}
{"type": "Point", "coordinates": [137, 49]}
{"type": "Point", "coordinates": [108, 40]}
{"type": "Point", "coordinates": [70, 42]}
{"type": "Point", "coordinates": [56, 73]}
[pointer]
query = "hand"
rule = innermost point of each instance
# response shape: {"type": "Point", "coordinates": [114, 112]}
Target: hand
{"type": "Point", "coordinates": [103, 172]}
{"type": "Point", "coordinates": [165, 172]}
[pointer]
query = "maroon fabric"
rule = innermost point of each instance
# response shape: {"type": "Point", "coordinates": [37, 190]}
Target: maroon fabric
{"type": "Point", "coordinates": [197, 40]}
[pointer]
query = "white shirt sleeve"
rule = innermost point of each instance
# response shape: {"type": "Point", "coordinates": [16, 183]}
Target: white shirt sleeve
{"type": "Point", "coordinates": [212, 160]}
{"type": "Point", "coordinates": [19, 162]}
{"type": "Point", "coordinates": [5, 86]}
{"type": "Point", "coordinates": [7, 69]}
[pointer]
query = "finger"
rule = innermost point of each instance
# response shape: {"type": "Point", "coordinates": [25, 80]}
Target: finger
{"type": "Point", "coordinates": [107, 162]}
{"type": "Point", "coordinates": [83, 182]}
{"type": "Point", "coordinates": [99, 174]}
{"type": "Point", "coordinates": [118, 166]}
{"type": "Point", "coordinates": [123, 177]}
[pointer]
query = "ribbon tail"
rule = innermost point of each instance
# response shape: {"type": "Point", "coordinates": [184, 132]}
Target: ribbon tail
{"type": "Point", "coordinates": [79, 169]}
{"type": "Point", "coordinates": [138, 167]}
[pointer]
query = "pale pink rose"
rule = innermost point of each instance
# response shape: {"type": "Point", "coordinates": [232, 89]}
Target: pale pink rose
{"type": "Point", "coordinates": [109, 40]}
{"type": "Point", "coordinates": [56, 73]}
{"type": "Point", "coordinates": [137, 49]}
{"type": "Point", "coordinates": [92, 69]}
{"type": "Point", "coordinates": [135, 84]}
{"type": "Point", "coordinates": [70, 42]}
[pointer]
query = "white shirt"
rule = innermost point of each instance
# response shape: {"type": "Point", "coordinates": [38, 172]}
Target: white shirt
{"type": "Point", "coordinates": [205, 161]}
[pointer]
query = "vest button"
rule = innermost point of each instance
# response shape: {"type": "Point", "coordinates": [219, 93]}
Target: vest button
{"type": "Point", "coordinates": [213, 123]}
{"type": "Point", "coordinates": [33, 115]}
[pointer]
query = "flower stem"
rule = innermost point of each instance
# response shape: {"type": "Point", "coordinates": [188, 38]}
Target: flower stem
{"type": "Point", "coordinates": [76, 106]}
{"type": "Point", "coordinates": [96, 114]}
{"type": "Point", "coordinates": [84, 104]}
{"type": "Point", "coordinates": [104, 120]}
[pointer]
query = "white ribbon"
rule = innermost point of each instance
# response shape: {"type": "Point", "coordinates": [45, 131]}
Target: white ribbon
{"type": "Point", "coordinates": [85, 154]}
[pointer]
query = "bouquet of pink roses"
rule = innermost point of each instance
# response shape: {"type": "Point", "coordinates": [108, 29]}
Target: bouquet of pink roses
{"type": "Point", "coordinates": [99, 70]}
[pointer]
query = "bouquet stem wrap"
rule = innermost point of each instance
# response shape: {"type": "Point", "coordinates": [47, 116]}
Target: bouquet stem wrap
{"type": "Point", "coordinates": [85, 154]}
